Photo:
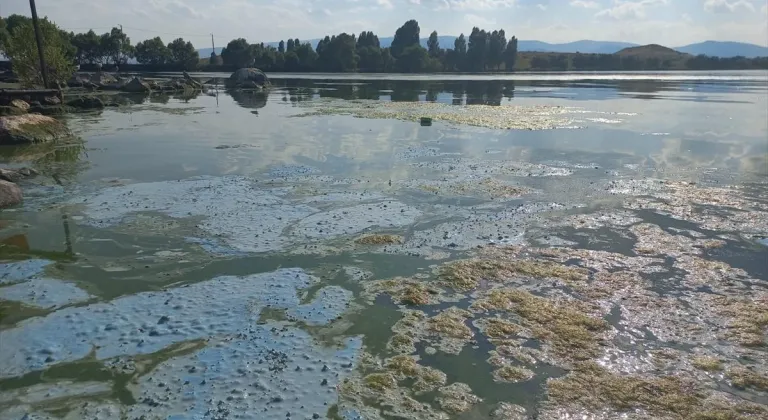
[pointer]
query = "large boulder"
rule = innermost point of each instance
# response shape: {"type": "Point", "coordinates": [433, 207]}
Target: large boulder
{"type": "Point", "coordinates": [30, 128]}
{"type": "Point", "coordinates": [86, 102]}
{"type": "Point", "coordinates": [10, 194]}
{"type": "Point", "coordinates": [136, 85]}
{"type": "Point", "coordinates": [102, 79]}
{"type": "Point", "coordinates": [247, 78]}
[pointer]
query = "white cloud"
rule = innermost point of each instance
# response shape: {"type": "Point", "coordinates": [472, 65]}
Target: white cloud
{"type": "Point", "coordinates": [478, 21]}
{"type": "Point", "coordinates": [477, 5]}
{"type": "Point", "coordinates": [586, 4]}
{"type": "Point", "coordinates": [542, 7]}
{"type": "Point", "coordinates": [623, 10]}
{"type": "Point", "coordinates": [725, 6]}
{"type": "Point", "coordinates": [387, 4]}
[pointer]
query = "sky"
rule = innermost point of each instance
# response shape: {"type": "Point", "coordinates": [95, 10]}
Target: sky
{"type": "Point", "coordinates": [671, 23]}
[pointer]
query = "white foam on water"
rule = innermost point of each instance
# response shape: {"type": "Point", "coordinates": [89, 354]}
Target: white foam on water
{"type": "Point", "coordinates": [151, 321]}
{"type": "Point", "coordinates": [15, 272]}
{"type": "Point", "coordinates": [44, 293]}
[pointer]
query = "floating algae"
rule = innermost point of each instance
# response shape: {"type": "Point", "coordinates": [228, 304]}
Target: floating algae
{"type": "Point", "coordinates": [741, 377]}
{"type": "Point", "coordinates": [565, 327]}
{"type": "Point", "coordinates": [379, 239]}
{"type": "Point", "coordinates": [466, 275]}
{"type": "Point", "coordinates": [405, 291]}
{"type": "Point", "coordinates": [707, 363]}
{"type": "Point", "coordinates": [607, 395]}
{"type": "Point", "coordinates": [384, 388]}
{"type": "Point", "coordinates": [457, 398]}
{"type": "Point", "coordinates": [512, 374]}
{"type": "Point", "coordinates": [447, 331]}
{"type": "Point", "coordinates": [497, 117]}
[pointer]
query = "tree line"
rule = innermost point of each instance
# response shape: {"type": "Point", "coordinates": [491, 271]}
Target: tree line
{"type": "Point", "coordinates": [481, 51]}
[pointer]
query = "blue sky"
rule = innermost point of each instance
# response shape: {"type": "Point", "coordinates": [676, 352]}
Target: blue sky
{"type": "Point", "coordinates": [667, 22]}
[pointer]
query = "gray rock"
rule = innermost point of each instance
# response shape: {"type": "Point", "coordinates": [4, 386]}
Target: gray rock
{"type": "Point", "coordinates": [51, 100]}
{"type": "Point", "coordinates": [248, 77]}
{"type": "Point", "coordinates": [103, 79]}
{"type": "Point", "coordinates": [10, 194]}
{"type": "Point", "coordinates": [31, 128]}
{"type": "Point", "coordinates": [136, 86]}
{"type": "Point", "coordinates": [18, 103]}
{"type": "Point", "coordinates": [86, 102]}
{"type": "Point", "coordinates": [16, 175]}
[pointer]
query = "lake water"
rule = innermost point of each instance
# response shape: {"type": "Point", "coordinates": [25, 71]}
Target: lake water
{"type": "Point", "coordinates": [398, 247]}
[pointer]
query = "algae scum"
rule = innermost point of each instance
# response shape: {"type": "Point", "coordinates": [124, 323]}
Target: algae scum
{"type": "Point", "coordinates": [546, 249]}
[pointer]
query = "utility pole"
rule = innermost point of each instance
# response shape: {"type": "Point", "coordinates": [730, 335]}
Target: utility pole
{"type": "Point", "coordinates": [39, 40]}
{"type": "Point", "coordinates": [212, 45]}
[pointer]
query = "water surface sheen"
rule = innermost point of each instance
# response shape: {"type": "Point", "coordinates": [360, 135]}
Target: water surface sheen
{"type": "Point", "coordinates": [313, 250]}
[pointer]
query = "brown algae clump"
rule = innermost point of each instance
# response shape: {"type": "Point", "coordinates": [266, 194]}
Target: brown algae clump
{"type": "Point", "coordinates": [451, 323]}
{"type": "Point", "coordinates": [742, 377]}
{"type": "Point", "coordinates": [426, 378]}
{"type": "Point", "coordinates": [566, 326]}
{"type": "Point", "coordinates": [512, 374]}
{"type": "Point", "coordinates": [498, 328]}
{"type": "Point", "coordinates": [748, 319]}
{"type": "Point", "coordinates": [707, 363]}
{"type": "Point", "coordinates": [446, 331]}
{"type": "Point", "coordinates": [380, 381]}
{"type": "Point", "coordinates": [404, 290]}
{"type": "Point", "coordinates": [379, 239]}
{"type": "Point", "coordinates": [401, 343]}
{"type": "Point", "coordinates": [465, 275]}
{"type": "Point", "coordinates": [592, 387]}
{"type": "Point", "coordinates": [457, 398]}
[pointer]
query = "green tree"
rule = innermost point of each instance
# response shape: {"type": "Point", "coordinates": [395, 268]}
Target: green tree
{"type": "Point", "coordinates": [370, 59]}
{"type": "Point", "coordinates": [4, 34]}
{"type": "Point", "coordinates": [405, 36]}
{"type": "Point", "coordinates": [459, 56]}
{"type": "Point", "coordinates": [477, 51]}
{"type": "Point", "coordinates": [510, 54]}
{"type": "Point", "coordinates": [290, 45]}
{"type": "Point", "coordinates": [338, 53]}
{"type": "Point", "coordinates": [116, 46]}
{"type": "Point", "coordinates": [152, 51]}
{"type": "Point", "coordinates": [433, 45]}
{"type": "Point", "coordinates": [307, 56]}
{"type": "Point", "coordinates": [497, 43]}
{"type": "Point", "coordinates": [413, 59]}
{"type": "Point", "coordinates": [292, 62]}
{"type": "Point", "coordinates": [88, 47]}
{"type": "Point", "coordinates": [281, 47]}
{"type": "Point", "coordinates": [21, 49]}
{"type": "Point", "coordinates": [183, 54]}
{"type": "Point", "coordinates": [238, 53]}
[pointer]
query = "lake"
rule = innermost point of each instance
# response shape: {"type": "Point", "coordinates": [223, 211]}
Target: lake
{"type": "Point", "coordinates": [546, 246]}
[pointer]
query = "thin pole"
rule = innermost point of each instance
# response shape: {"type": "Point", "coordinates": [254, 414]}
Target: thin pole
{"type": "Point", "coordinates": [39, 40]}
{"type": "Point", "coordinates": [212, 45]}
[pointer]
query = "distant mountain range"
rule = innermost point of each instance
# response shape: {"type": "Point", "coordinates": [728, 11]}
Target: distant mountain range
{"type": "Point", "coordinates": [711, 48]}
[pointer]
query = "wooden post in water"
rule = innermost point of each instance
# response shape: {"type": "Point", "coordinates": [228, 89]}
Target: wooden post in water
{"type": "Point", "coordinates": [39, 40]}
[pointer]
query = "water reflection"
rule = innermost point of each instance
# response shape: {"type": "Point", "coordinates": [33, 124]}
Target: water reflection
{"type": "Point", "coordinates": [494, 92]}
{"type": "Point", "coordinates": [249, 98]}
